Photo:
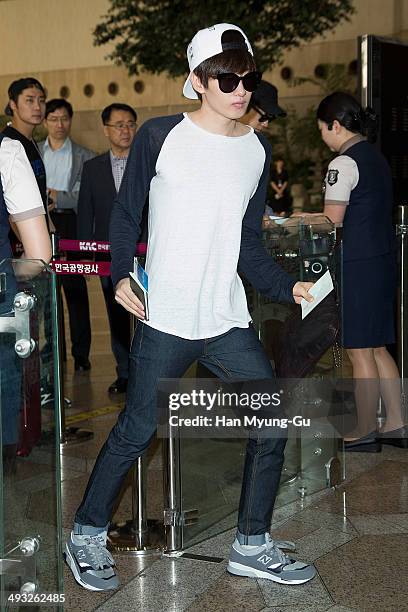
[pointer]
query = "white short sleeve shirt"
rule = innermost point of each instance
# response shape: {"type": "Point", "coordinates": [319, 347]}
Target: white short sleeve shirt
{"type": "Point", "coordinates": [341, 178]}
{"type": "Point", "coordinates": [20, 189]}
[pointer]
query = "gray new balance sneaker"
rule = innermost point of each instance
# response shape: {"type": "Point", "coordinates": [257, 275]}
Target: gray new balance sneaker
{"type": "Point", "coordinates": [268, 561]}
{"type": "Point", "coordinates": [91, 563]}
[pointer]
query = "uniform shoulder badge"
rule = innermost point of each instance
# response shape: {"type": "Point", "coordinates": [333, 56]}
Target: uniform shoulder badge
{"type": "Point", "coordinates": [332, 177]}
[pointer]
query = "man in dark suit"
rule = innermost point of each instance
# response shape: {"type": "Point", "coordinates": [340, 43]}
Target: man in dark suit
{"type": "Point", "coordinates": [64, 160]}
{"type": "Point", "coordinates": [100, 183]}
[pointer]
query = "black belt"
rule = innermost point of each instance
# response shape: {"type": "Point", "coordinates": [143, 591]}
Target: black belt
{"type": "Point", "coordinates": [63, 211]}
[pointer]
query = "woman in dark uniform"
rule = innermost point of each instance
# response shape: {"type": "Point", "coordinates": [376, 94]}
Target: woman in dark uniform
{"type": "Point", "coordinates": [358, 193]}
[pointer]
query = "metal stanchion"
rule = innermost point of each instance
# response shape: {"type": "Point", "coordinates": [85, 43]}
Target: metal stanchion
{"type": "Point", "coordinates": [172, 493]}
{"type": "Point", "coordinates": [58, 366]}
{"type": "Point", "coordinates": [69, 435]}
{"type": "Point", "coordinates": [139, 535]}
{"type": "Point", "coordinates": [402, 233]}
{"type": "Point", "coordinates": [175, 517]}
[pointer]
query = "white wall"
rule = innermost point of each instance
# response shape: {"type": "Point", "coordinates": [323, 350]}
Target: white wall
{"type": "Point", "coordinates": [38, 35]}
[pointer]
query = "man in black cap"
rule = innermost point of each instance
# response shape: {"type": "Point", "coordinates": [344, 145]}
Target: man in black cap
{"type": "Point", "coordinates": [263, 107]}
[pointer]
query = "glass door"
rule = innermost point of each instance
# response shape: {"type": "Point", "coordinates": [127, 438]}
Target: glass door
{"type": "Point", "coordinates": [210, 470]}
{"type": "Point", "coordinates": [313, 455]}
{"type": "Point", "coordinates": [30, 519]}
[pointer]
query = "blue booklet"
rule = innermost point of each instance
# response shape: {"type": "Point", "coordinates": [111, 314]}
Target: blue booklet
{"type": "Point", "coordinates": [139, 283]}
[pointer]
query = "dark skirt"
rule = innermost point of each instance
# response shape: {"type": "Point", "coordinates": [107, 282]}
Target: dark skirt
{"type": "Point", "coordinates": [283, 204]}
{"type": "Point", "coordinates": [368, 298]}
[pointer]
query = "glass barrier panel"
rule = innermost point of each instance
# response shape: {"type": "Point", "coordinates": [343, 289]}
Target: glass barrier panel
{"type": "Point", "coordinates": [306, 248]}
{"type": "Point", "coordinates": [211, 469]}
{"type": "Point", "coordinates": [211, 475]}
{"type": "Point", "coordinates": [30, 520]}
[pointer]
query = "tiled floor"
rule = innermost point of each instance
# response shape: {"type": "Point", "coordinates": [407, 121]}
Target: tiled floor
{"type": "Point", "coordinates": [356, 535]}
{"type": "Point", "coordinates": [359, 548]}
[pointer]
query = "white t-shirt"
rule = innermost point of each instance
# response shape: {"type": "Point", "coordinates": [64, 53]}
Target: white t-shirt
{"type": "Point", "coordinates": [341, 178]}
{"type": "Point", "coordinates": [20, 189]}
{"type": "Point", "coordinates": [206, 197]}
{"type": "Point", "coordinates": [194, 289]}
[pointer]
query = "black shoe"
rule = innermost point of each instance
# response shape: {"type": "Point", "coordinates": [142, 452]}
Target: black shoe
{"type": "Point", "coordinates": [367, 444]}
{"type": "Point", "coordinates": [82, 364]}
{"type": "Point", "coordinates": [396, 437]}
{"type": "Point", "coordinates": [118, 386]}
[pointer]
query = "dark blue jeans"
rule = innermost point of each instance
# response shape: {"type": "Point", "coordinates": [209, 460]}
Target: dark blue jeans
{"type": "Point", "coordinates": [237, 354]}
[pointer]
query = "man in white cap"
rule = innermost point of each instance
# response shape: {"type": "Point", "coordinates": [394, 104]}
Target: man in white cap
{"type": "Point", "coordinates": [205, 174]}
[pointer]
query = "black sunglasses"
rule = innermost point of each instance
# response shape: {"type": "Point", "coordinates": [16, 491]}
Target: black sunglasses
{"type": "Point", "coordinates": [229, 81]}
{"type": "Point", "coordinates": [264, 117]}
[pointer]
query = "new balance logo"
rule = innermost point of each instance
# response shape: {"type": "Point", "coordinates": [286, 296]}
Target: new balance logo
{"type": "Point", "coordinates": [46, 398]}
{"type": "Point", "coordinates": [264, 559]}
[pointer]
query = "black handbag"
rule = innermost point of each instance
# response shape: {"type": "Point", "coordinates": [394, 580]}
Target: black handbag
{"type": "Point", "coordinates": [301, 343]}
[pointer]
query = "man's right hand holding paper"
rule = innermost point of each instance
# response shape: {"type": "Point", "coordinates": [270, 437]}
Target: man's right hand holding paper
{"type": "Point", "coordinates": [126, 298]}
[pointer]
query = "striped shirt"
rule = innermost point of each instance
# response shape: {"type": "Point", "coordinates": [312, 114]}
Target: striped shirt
{"type": "Point", "coordinates": [118, 168]}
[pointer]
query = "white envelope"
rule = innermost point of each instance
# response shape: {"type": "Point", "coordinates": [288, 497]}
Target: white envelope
{"type": "Point", "coordinates": [320, 290]}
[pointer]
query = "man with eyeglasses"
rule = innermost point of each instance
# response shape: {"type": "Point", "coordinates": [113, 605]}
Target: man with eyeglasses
{"type": "Point", "coordinates": [100, 184]}
{"type": "Point", "coordinates": [64, 161]}
{"type": "Point", "coordinates": [205, 174]}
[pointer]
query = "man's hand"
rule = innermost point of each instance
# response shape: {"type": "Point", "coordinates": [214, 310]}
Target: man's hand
{"type": "Point", "coordinates": [52, 199]}
{"type": "Point", "coordinates": [126, 298]}
{"type": "Point", "coordinates": [301, 290]}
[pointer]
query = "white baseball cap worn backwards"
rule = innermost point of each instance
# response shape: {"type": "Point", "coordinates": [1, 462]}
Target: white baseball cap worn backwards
{"type": "Point", "coordinates": [205, 44]}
